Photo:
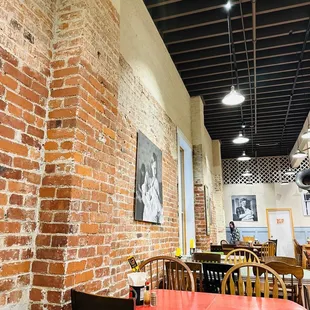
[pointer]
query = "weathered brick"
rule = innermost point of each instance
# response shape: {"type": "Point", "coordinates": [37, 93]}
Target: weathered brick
{"type": "Point", "coordinates": [17, 74]}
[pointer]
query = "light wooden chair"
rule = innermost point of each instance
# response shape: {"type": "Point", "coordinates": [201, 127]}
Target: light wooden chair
{"type": "Point", "coordinates": [83, 301]}
{"type": "Point", "coordinates": [298, 252]}
{"type": "Point", "coordinates": [169, 273]}
{"type": "Point", "coordinates": [295, 292]}
{"type": "Point", "coordinates": [282, 259]}
{"type": "Point", "coordinates": [253, 286]}
{"type": "Point", "coordinates": [268, 249]}
{"type": "Point", "coordinates": [206, 257]}
{"type": "Point", "coordinates": [248, 239]}
{"type": "Point", "coordinates": [238, 256]}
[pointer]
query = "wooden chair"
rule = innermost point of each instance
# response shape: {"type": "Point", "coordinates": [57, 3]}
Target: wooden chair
{"type": "Point", "coordinates": [167, 272]}
{"type": "Point", "coordinates": [307, 298]}
{"type": "Point", "coordinates": [268, 249]}
{"type": "Point", "coordinates": [228, 247]}
{"type": "Point", "coordinates": [296, 271]}
{"type": "Point", "coordinates": [196, 270]}
{"type": "Point", "coordinates": [243, 244]}
{"type": "Point", "coordinates": [247, 287]}
{"type": "Point", "coordinates": [83, 301]}
{"type": "Point", "coordinates": [275, 241]}
{"type": "Point", "coordinates": [238, 256]}
{"type": "Point", "coordinates": [206, 257]}
{"type": "Point", "coordinates": [248, 239]}
{"type": "Point", "coordinates": [216, 248]}
{"type": "Point", "coordinates": [213, 276]}
{"type": "Point", "coordinates": [282, 259]}
{"type": "Point", "coordinates": [298, 252]}
{"type": "Point", "coordinates": [223, 242]}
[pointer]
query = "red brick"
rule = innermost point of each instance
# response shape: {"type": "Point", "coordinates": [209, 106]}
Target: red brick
{"type": "Point", "coordinates": [25, 164]}
{"type": "Point", "coordinates": [7, 132]}
{"type": "Point", "coordinates": [63, 113]}
{"type": "Point", "coordinates": [14, 297]}
{"type": "Point", "coordinates": [6, 284]}
{"type": "Point", "coordinates": [18, 75]}
{"type": "Point", "coordinates": [53, 297]}
{"type": "Point", "coordinates": [48, 281]}
{"type": "Point", "coordinates": [14, 269]}
{"type": "Point", "coordinates": [17, 240]}
{"type": "Point", "coordinates": [32, 177]}
{"type": "Point", "coordinates": [6, 255]}
{"type": "Point", "coordinates": [47, 192]}
{"type": "Point", "coordinates": [89, 228]}
{"type": "Point", "coordinates": [65, 72]}
{"type": "Point", "coordinates": [7, 81]}
{"type": "Point", "coordinates": [16, 199]}
{"type": "Point", "coordinates": [39, 111]}
{"type": "Point", "coordinates": [36, 294]}
{"type": "Point", "coordinates": [56, 268]}
{"type": "Point", "coordinates": [31, 141]}
{"type": "Point", "coordinates": [76, 266]}
{"type": "Point", "coordinates": [55, 228]}
{"type": "Point", "coordinates": [65, 92]}
{"type": "Point", "coordinates": [29, 117]}
{"type": "Point", "coordinates": [20, 101]}
{"type": "Point", "coordinates": [35, 132]}
{"type": "Point", "coordinates": [5, 55]}
{"type": "Point", "coordinates": [3, 199]}
{"type": "Point", "coordinates": [57, 83]}
{"type": "Point", "coordinates": [42, 90]}
{"type": "Point", "coordinates": [9, 173]}
{"type": "Point", "coordinates": [84, 277]}
{"type": "Point", "coordinates": [29, 94]}
{"type": "Point", "coordinates": [12, 147]}
{"type": "Point", "coordinates": [55, 205]}
{"type": "Point", "coordinates": [35, 75]}
{"type": "Point", "coordinates": [59, 241]}
{"type": "Point", "coordinates": [67, 145]}
{"type": "Point", "coordinates": [16, 111]}
{"type": "Point", "coordinates": [58, 64]}
{"type": "Point", "coordinates": [49, 253]}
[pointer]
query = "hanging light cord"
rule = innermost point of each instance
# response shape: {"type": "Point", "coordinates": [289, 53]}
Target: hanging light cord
{"type": "Point", "coordinates": [230, 52]}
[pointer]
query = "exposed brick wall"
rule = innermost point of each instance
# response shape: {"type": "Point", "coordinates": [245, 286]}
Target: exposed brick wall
{"type": "Point", "coordinates": [24, 73]}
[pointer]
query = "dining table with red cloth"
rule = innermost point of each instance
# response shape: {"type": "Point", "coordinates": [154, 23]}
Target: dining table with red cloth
{"type": "Point", "coordinates": [180, 300]}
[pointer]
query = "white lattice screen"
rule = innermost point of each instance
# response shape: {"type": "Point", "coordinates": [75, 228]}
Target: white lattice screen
{"type": "Point", "coordinates": [263, 169]}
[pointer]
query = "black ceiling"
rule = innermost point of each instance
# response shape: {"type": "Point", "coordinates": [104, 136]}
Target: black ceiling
{"type": "Point", "coordinates": [196, 35]}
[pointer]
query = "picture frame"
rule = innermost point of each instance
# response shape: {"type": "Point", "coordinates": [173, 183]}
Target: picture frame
{"type": "Point", "coordinates": [244, 208]}
{"type": "Point", "coordinates": [306, 203]}
{"type": "Point", "coordinates": [148, 192]}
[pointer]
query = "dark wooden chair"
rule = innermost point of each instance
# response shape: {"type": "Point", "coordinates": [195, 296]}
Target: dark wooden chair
{"type": "Point", "coordinates": [213, 276]}
{"type": "Point", "coordinates": [196, 269]}
{"type": "Point", "coordinates": [169, 273]}
{"type": "Point", "coordinates": [207, 257]}
{"type": "Point", "coordinates": [306, 297]}
{"type": "Point", "coordinates": [216, 248]}
{"type": "Point", "coordinates": [282, 259]}
{"type": "Point", "coordinates": [223, 242]}
{"type": "Point", "coordinates": [84, 301]}
{"type": "Point", "coordinates": [228, 247]}
{"type": "Point", "coordinates": [294, 292]}
{"type": "Point", "coordinates": [248, 285]}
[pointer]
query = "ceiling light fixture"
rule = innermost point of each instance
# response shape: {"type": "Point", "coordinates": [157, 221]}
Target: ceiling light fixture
{"type": "Point", "coordinates": [233, 98]}
{"type": "Point", "coordinates": [299, 154]}
{"type": "Point", "coordinates": [289, 172]}
{"type": "Point", "coordinates": [247, 173]}
{"type": "Point", "coordinates": [241, 139]}
{"type": "Point", "coordinates": [244, 157]}
{"type": "Point", "coordinates": [306, 135]}
{"type": "Point", "coordinates": [228, 6]}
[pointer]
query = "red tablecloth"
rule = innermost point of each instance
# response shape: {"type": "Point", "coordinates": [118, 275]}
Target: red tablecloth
{"type": "Point", "coordinates": [177, 300]}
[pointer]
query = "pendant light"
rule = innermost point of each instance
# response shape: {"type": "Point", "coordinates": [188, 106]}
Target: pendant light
{"type": "Point", "coordinates": [241, 139]}
{"type": "Point", "coordinates": [299, 154]}
{"type": "Point", "coordinates": [234, 97]}
{"type": "Point", "coordinates": [306, 135]}
{"type": "Point", "coordinates": [247, 173]}
{"type": "Point", "coordinates": [244, 157]}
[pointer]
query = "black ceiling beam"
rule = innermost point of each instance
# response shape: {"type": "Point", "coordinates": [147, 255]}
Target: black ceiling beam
{"type": "Point", "coordinates": [156, 3]}
{"type": "Point", "coordinates": [219, 15]}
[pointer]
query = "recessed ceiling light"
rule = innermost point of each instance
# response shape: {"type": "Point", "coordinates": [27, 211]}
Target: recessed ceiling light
{"type": "Point", "coordinates": [241, 139]}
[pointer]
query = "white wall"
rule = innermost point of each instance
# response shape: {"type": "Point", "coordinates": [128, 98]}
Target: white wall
{"type": "Point", "coordinates": [145, 52]}
{"type": "Point", "coordinates": [267, 196]}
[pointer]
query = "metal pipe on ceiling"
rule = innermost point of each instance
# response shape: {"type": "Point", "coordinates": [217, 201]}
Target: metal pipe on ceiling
{"type": "Point", "coordinates": [254, 62]}
{"type": "Point", "coordinates": [301, 56]}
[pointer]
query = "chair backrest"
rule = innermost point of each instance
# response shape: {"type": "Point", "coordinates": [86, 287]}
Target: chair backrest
{"type": "Point", "coordinates": [196, 269]}
{"type": "Point", "coordinates": [268, 249]}
{"type": "Point", "coordinates": [207, 257]}
{"type": "Point", "coordinates": [246, 288]}
{"type": "Point", "coordinates": [275, 241]}
{"type": "Point", "coordinates": [296, 271]}
{"type": "Point", "coordinates": [213, 276]}
{"type": "Point", "coordinates": [307, 298]}
{"type": "Point", "coordinates": [242, 243]}
{"type": "Point", "coordinates": [223, 242]}
{"type": "Point", "coordinates": [298, 252]}
{"type": "Point", "coordinates": [238, 256]}
{"type": "Point", "coordinates": [83, 301]}
{"type": "Point", "coordinates": [169, 273]}
{"type": "Point", "coordinates": [228, 247]}
{"type": "Point", "coordinates": [216, 248]}
{"type": "Point", "coordinates": [281, 259]}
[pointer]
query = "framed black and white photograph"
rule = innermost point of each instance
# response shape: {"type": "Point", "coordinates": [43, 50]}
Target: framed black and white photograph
{"type": "Point", "coordinates": [148, 194]}
{"type": "Point", "coordinates": [306, 204]}
{"type": "Point", "coordinates": [244, 208]}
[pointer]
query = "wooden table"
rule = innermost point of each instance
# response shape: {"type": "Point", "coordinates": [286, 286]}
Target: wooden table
{"type": "Point", "coordinates": [305, 247]}
{"type": "Point", "coordinates": [177, 300]}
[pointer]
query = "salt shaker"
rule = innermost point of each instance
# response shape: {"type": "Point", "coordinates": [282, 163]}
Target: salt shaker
{"type": "Point", "coordinates": [153, 299]}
